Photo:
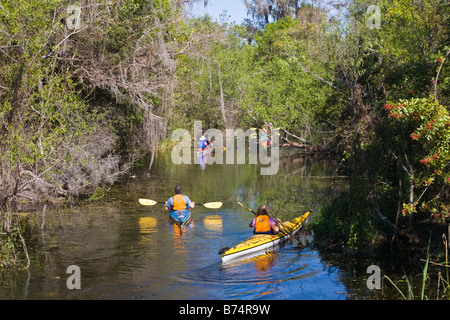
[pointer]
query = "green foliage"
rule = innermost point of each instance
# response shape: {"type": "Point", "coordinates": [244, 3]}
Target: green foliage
{"type": "Point", "coordinates": [394, 159]}
{"type": "Point", "coordinates": [426, 124]}
{"type": "Point", "coordinates": [220, 59]}
{"type": "Point", "coordinates": [346, 221]}
{"type": "Point", "coordinates": [57, 139]}
{"type": "Point", "coordinates": [8, 252]}
{"type": "Point", "coordinates": [11, 248]}
{"type": "Point", "coordinates": [279, 88]}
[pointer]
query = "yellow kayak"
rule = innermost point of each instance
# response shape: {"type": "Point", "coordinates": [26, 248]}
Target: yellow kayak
{"type": "Point", "coordinates": [260, 242]}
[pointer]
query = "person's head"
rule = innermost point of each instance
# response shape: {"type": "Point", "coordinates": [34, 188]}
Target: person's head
{"type": "Point", "coordinates": [262, 210]}
{"type": "Point", "coordinates": [178, 190]}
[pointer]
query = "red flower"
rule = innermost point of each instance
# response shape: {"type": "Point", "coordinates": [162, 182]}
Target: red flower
{"type": "Point", "coordinates": [387, 106]}
{"type": "Point", "coordinates": [395, 115]}
{"type": "Point", "coordinates": [425, 160]}
{"type": "Point", "coordinates": [428, 125]}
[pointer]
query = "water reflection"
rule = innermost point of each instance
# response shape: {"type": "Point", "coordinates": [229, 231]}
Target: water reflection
{"type": "Point", "coordinates": [203, 160]}
{"type": "Point", "coordinates": [126, 250]}
{"type": "Point", "coordinates": [282, 274]}
{"type": "Point", "coordinates": [179, 236]}
{"type": "Point", "coordinates": [214, 223]}
{"type": "Point", "coordinates": [147, 226]}
{"type": "Point", "coordinates": [263, 263]}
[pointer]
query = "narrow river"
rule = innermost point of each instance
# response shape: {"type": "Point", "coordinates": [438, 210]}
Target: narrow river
{"type": "Point", "coordinates": [128, 251]}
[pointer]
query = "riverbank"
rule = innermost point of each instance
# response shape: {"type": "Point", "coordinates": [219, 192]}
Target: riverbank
{"type": "Point", "coordinates": [407, 269]}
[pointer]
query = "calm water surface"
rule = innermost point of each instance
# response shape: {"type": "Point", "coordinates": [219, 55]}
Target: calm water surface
{"type": "Point", "coordinates": [128, 251]}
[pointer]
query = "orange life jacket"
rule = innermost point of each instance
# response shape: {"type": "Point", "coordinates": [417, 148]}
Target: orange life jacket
{"type": "Point", "coordinates": [178, 202]}
{"type": "Point", "coordinates": [262, 224]}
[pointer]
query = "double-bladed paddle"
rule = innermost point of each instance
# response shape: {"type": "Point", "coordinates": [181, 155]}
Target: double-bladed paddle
{"type": "Point", "coordinates": [209, 205]}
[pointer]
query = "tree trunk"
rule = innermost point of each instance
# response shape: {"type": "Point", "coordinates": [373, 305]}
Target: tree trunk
{"type": "Point", "coordinates": [222, 101]}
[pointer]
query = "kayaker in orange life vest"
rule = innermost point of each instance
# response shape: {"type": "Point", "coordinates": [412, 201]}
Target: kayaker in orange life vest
{"type": "Point", "coordinates": [262, 223]}
{"type": "Point", "coordinates": [179, 202]}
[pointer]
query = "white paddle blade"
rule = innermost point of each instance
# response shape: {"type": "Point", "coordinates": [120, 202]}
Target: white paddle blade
{"type": "Point", "coordinates": [147, 202]}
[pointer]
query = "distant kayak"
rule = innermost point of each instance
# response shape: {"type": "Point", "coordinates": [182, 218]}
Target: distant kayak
{"type": "Point", "coordinates": [260, 242]}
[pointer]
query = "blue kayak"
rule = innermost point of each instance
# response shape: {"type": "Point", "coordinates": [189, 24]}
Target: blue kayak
{"type": "Point", "coordinates": [183, 219]}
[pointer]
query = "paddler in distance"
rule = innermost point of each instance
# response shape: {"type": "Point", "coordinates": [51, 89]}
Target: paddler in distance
{"type": "Point", "coordinates": [263, 224]}
{"type": "Point", "coordinates": [203, 143]}
{"type": "Point", "coordinates": [179, 203]}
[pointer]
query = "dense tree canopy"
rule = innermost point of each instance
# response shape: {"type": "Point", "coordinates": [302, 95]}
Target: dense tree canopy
{"type": "Point", "coordinates": [87, 89]}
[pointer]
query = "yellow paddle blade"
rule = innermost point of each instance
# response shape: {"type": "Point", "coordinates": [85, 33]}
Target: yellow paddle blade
{"type": "Point", "coordinates": [212, 205]}
{"type": "Point", "coordinates": [147, 202]}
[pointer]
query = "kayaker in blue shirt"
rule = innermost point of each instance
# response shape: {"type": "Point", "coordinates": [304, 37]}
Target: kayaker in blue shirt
{"type": "Point", "coordinates": [203, 143]}
{"type": "Point", "coordinates": [179, 203]}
